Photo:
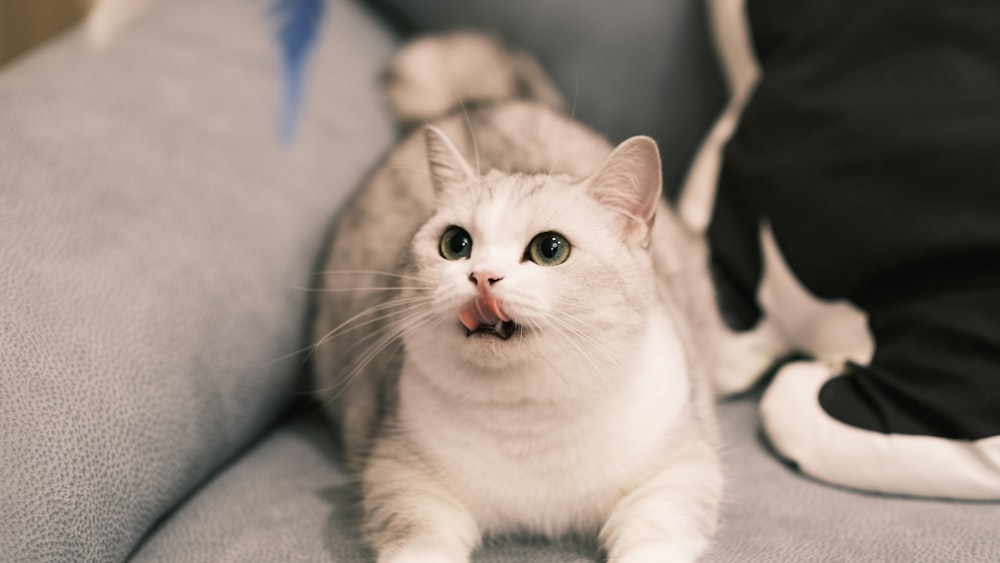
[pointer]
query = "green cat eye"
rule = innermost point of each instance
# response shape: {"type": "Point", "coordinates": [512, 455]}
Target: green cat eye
{"type": "Point", "coordinates": [455, 244]}
{"type": "Point", "coordinates": [547, 249]}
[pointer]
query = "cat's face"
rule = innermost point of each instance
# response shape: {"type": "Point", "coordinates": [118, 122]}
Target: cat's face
{"type": "Point", "coordinates": [527, 271]}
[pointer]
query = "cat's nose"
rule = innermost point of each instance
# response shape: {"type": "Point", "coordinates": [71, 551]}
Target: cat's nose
{"type": "Point", "coordinates": [482, 280]}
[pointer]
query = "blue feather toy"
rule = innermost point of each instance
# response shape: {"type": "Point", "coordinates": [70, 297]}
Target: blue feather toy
{"type": "Point", "coordinates": [297, 34]}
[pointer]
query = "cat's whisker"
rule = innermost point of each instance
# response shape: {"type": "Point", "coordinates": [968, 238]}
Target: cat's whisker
{"type": "Point", "coordinates": [361, 289]}
{"type": "Point", "coordinates": [391, 325]}
{"type": "Point", "coordinates": [572, 115]}
{"type": "Point", "coordinates": [342, 383]}
{"type": "Point", "coordinates": [540, 321]}
{"type": "Point", "coordinates": [563, 321]}
{"type": "Point", "coordinates": [414, 307]}
{"type": "Point", "coordinates": [567, 304]}
{"type": "Point", "coordinates": [583, 353]}
{"type": "Point", "coordinates": [562, 331]}
{"type": "Point", "coordinates": [290, 355]}
{"type": "Point", "coordinates": [373, 273]}
{"type": "Point", "coordinates": [395, 331]}
{"type": "Point", "coordinates": [472, 137]}
{"type": "Point", "coordinates": [400, 302]}
{"type": "Point", "coordinates": [576, 94]}
{"type": "Point", "coordinates": [410, 303]}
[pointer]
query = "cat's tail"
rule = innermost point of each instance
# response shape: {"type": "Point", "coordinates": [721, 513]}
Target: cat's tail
{"type": "Point", "coordinates": [438, 74]}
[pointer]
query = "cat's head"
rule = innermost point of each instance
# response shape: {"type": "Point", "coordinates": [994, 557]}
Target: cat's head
{"type": "Point", "coordinates": [534, 272]}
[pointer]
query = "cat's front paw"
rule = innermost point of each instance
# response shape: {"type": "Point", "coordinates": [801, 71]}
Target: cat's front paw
{"type": "Point", "coordinates": [424, 551]}
{"type": "Point", "coordinates": [657, 552]}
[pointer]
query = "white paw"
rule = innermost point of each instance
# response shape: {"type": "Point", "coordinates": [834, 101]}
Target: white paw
{"type": "Point", "coordinates": [424, 551]}
{"type": "Point", "coordinates": [421, 557]}
{"type": "Point", "coordinates": [658, 552]}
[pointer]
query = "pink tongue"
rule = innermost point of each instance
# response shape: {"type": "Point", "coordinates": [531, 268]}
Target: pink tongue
{"type": "Point", "coordinates": [484, 310]}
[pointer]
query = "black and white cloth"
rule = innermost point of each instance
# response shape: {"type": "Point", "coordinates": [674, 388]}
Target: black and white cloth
{"type": "Point", "coordinates": [865, 149]}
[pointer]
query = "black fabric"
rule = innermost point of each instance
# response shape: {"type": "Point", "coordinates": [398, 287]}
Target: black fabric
{"type": "Point", "coordinates": [736, 259]}
{"type": "Point", "coordinates": [872, 146]}
{"type": "Point", "coordinates": [936, 369]}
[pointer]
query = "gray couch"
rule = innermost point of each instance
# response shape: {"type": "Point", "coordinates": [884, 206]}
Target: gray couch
{"type": "Point", "coordinates": [158, 243]}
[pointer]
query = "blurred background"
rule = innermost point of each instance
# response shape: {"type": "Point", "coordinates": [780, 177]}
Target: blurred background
{"type": "Point", "coordinates": [24, 24]}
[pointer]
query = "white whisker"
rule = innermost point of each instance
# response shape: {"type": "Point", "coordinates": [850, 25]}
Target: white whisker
{"type": "Point", "coordinates": [377, 308]}
{"type": "Point", "coordinates": [475, 142]}
{"type": "Point", "coordinates": [406, 304]}
{"type": "Point", "coordinates": [360, 289]}
{"type": "Point", "coordinates": [370, 272]}
{"type": "Point", "coordinates": [572, 112]}
{"type": "Point", "coordinates": [409, 309]}
{"type": "Point", "coordinates": [395, 331]}
{"type": "Point", "coordinates": [564, 322]}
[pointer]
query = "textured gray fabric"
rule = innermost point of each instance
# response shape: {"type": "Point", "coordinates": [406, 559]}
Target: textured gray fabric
{"type": "Point", "coordinates": [628, 67]}
{"type": "Point", "coordinates": [154, 243]}
{"type": "Point", "coordinates": [288, 499]}
{"type": "Point", "coordinates": [772, 513]}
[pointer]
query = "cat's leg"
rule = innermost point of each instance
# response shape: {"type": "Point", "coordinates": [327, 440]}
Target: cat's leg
{"type": "Point", "coordinates": [921, 418]}
{"type": "Point", "coordinates": [670, 517]}
{"type": "Point", "coordinates": [409, 516]}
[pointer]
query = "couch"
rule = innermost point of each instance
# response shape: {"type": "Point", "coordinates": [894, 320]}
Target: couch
{"type": "Point", "coordinates": [158, 245]}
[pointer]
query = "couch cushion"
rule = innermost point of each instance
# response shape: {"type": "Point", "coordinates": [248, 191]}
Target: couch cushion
{"type": "Point", "coordinates": [289, 498]}
{"type": "Point", "coordinates": [627, 67]}
{"type": "Point", "coordinates": [155, 240]}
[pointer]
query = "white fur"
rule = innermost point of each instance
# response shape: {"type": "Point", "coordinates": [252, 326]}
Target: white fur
{"type": "Point", "coordinates": [593, 417]}
{"type": "Point", "coordinates": [553, 433]}
{"type": "Point", "coordinates": [534, 464]}
{"type": "Point", "coordinates": [889, 463]}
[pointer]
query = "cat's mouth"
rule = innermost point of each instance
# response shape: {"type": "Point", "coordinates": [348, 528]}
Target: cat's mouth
{"type": "Point", "coordinates": [484, 316]}
{"type": "Point", "coordinates": [502, 330]}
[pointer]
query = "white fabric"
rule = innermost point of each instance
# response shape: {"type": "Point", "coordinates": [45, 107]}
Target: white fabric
{"type": "Point", "coordinates": [832, 451]}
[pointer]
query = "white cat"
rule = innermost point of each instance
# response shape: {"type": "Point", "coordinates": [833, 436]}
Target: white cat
{"type": "Point", "coordinates": [514, 332]}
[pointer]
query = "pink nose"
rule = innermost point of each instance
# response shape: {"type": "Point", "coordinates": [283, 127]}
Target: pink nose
{"type": "Point", "coordinates": [483, 280]}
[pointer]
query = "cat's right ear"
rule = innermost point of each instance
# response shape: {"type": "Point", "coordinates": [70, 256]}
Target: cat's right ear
{"type": "Point", "coordinates": [448, 168]}
{"type": "Point", "coordinates": [630, 182]}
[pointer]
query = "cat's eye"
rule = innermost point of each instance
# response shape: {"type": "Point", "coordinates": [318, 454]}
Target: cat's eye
{"type": "Point", "coordinates": [547, 249]}
{"type": "Point", "coordinates": [455, 244]}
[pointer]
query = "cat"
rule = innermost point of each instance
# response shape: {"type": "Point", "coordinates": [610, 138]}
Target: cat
{"type": "Point", "coordinates": [513, 329]}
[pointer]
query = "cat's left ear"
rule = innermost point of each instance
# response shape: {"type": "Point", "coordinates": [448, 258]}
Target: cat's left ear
{"type": "Point", "coordinates": [630, 182]}
{"type": "Point", "coordinates": [448, 168]}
